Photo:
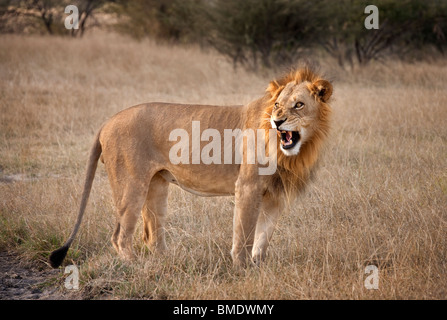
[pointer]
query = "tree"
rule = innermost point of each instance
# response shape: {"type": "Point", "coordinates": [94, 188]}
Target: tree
{"type": "Point", "coordinates": [44, 11]}
{"type": "Point", "coordinates": [257, 32]}
{"type": "Point", "coordinates": [171, 20]}
{"type": "Point", "coordinates": [51, 12]}
{"type": "Point", "coordinates": [404, 26]}
{"type": "Point", "coordinates": [86, 9]}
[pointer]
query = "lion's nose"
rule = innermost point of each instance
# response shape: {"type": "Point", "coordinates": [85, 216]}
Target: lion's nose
{"type": "Point", "coordinates": [279, 122]}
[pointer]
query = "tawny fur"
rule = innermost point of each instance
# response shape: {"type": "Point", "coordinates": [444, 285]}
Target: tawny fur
{"type": "Point", "coordinates": [134, 147]}
{"type": "Point", "coordinates": [295, 171]}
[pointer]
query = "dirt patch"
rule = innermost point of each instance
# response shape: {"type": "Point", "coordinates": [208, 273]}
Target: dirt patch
{"type": "Point", "coordinates": [22, 282]}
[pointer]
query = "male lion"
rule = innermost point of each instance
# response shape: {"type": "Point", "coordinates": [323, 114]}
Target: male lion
{"type": "Point", "coordinates": [134, 147]}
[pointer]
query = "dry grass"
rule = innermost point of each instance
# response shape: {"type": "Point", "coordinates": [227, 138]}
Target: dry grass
{"type": "Point", "coordinates": [379, 197]}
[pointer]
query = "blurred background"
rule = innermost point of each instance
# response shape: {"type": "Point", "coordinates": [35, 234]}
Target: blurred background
{"type": "Point", "coordinates": [253, 33]}
{"type": "Point", "coordinates": [379, 196]}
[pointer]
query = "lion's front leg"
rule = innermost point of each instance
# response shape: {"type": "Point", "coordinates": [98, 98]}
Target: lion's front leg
{"type": "Point", "coordinates": [268, 217]}
{"type": "Point", "coordinates": [248, 202]}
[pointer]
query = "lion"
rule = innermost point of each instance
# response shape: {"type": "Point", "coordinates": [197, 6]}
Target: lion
{"type": "Point", "coordinates": [135, 150]}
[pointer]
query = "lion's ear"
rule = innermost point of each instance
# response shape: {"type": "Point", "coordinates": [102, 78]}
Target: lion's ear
{"type": "Point", "coordinates": [322, 89]}
{"type": "Point", "coordinates": [274, 89]}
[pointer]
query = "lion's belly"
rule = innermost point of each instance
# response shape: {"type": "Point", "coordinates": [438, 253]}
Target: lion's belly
{"type": "Point", "coordinates": [206, 183]}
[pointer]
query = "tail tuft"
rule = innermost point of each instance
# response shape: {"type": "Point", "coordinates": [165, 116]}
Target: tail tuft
{"type": "Point", "coordinates": [58, 256]}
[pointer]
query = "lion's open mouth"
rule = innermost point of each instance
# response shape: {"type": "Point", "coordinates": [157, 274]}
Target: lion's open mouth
{"type": "Point", "coordinates": [288, 138]}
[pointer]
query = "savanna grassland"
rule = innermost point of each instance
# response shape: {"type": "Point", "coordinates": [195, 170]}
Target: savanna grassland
{"type": "Point", "coordinates": [379, 196]}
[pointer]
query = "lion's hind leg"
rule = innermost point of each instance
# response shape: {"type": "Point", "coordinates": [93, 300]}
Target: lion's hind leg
{"type": "Point", "coordinates": [154, 214]}
{"type": "Point", "coordinates": [129, 201]}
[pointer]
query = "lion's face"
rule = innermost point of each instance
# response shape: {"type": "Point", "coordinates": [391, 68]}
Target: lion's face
{"type": "Point", "coordinates": [295, 113]}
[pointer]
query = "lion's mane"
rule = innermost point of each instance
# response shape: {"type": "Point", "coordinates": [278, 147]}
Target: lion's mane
{"type": "Point", "coordinates": [294, 171]}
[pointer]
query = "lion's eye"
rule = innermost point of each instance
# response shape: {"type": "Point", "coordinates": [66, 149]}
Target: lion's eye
{"type": "Point", "coordinates": [298, 105]}
{"type": "Point", "coordinates": [276, 105]}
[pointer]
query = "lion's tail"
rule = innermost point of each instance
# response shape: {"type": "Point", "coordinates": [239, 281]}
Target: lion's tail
{"type": "Point", "coordinates": [57, 256]}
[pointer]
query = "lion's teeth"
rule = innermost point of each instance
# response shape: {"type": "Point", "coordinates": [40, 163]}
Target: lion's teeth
{"type": "Point", "coordinates": [284, 143]}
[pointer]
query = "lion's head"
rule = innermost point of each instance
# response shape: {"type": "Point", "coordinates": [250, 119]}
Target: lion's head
{"type": "Point", "coordinates": [298, 109]}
